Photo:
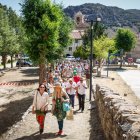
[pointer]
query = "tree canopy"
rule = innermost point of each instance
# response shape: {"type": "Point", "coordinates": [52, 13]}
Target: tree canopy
{"type": "Point", "coordinates": [101, 47]}
{"type": "Point", "coordinates": [125, 39]}
{"type": "Point", "coordinates": [45, 22]}
{"type": "Point", "coordinates": [11, 33]}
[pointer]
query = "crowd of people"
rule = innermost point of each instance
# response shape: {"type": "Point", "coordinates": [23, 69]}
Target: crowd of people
{"type": "Point", "coordinates": [67, 80]}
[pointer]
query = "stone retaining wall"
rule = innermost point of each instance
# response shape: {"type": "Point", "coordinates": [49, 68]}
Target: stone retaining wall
{"type": "Point", "coordinates": [120, 119]}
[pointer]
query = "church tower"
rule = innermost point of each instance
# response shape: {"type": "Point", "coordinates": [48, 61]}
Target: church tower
{"type": "Point", "coordinates": [79, 18]}
{"type": "Point", "coordinates": [80, 23]}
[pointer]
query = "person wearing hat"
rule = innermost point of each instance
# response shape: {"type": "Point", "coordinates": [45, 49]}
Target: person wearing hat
{"type": "Point", "coordinates": [81, 93]}
{"type": "Point", "coordinates": [76, 78]}
{"type": "Point", "coordinates": [59, 96]}
{"type": "Point", "coordinates": [74, 70]}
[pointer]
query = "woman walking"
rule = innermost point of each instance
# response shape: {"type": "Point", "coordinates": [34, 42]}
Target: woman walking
{"type": "Point", "coordinates": [40, 105]}
{"type": "Point", "coordinates": [59, 96]}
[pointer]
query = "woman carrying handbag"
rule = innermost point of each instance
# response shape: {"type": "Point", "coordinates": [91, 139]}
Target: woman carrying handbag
{"type": "Point", "coordinates": [40, 105]}
{"type": "Point", "coordinates": [58, 99]}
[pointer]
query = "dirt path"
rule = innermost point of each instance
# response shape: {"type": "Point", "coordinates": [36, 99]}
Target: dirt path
{"type": "Point", "coordinates": [85, 126]}
{"type": "Point", "coordinates": [15, 99]}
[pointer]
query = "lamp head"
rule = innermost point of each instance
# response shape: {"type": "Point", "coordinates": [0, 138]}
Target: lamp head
{"type": "Point", "coordinates": [98, 19]}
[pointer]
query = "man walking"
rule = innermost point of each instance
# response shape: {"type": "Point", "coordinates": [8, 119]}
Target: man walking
{"type": "Point", "coordinates": [71, 90]}
{"type": "Point", "coordinates": [81, 93]}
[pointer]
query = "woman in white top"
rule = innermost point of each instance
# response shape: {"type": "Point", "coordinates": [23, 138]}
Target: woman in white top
{"type": "Point", "coordinates": [40, 105]}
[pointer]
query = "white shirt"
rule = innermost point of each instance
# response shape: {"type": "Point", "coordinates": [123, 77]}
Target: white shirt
{"type": "Point", "coordinates": [79, 69]}
{"type": "Point", "coordinates": [50, 87]}
{"type": "Point", "coordinates": [81, 88]}
{"type": "Point", "coordinates": [64, 85]}
{"type": "Point", "coordinates": [40, 100]}
{"type": "Point", "coordinates": [71, 91]}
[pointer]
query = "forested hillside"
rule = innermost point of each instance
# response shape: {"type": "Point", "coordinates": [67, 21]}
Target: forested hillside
{"type": "Point", "coordinates": [111, 16]}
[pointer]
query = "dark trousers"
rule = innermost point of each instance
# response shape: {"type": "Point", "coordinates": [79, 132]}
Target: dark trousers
{"type": "Point", "coordinates": [81, 99]}
{"type": "Point", "coordinates": [60, 125]}
{"type": "Point", "coordinates": [72, 99]}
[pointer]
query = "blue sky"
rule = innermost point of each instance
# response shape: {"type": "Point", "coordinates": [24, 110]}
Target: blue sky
{"type": "Point", "coordinates": [125, 4]}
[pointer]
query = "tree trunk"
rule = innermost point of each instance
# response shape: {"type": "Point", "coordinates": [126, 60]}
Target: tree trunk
{"type": "Point", "coordinates": [4, 58]}
{"type": "Point", "coordinates": [42, 73]}
{"type": "Point", "coordinates": [121, 61]}
{"type": "Point", "coordinates": [94, 62]}
{"type": "Point", "coordinates": [11, 61]}
{"type": "Point", "coordinates": [42, 65]}
{"type": "Point", "coordinates": [99, 68]}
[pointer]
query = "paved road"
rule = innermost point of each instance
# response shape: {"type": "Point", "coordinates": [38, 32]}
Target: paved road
{"type": "Point", "coordinates": [132, 78]}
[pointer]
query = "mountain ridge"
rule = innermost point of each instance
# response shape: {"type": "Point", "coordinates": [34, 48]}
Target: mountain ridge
{"type": "Point", "coordinates": [110, 15]}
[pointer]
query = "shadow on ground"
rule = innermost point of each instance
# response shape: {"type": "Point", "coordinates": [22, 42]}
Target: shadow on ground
{"type": "Point", "coordinates": [25, 82]}
{"type": "Point", "coordinates": [31, 72]}
{"type": "Point", "coordinates": [115, 69]}
{"type": "Point", "coordinates": [96, 132]}
{"type": "Point", "coordinates": [13, 113]}
{"type": "Point", "coordinates": [37, 136]}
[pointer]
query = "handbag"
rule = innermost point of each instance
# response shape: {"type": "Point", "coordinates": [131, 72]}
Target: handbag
{"type": "Point", "coordinates": [66, 106]}
{"type": "Point", "coordinates": [39, 112]}
{"type": "Point", "coordinates": [69, 115]}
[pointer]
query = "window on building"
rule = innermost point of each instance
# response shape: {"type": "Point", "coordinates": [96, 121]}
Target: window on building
{"type": "Point", "coordinates": [78, 20]}
{"type": "Point", "coordinates": [70, 48]}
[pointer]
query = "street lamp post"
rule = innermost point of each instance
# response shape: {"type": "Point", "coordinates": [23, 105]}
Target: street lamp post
{"type": "Point", "coordinates": [91, 55]}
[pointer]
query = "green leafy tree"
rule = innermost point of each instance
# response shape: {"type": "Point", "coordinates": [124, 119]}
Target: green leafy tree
{"type": "Point", "coordinates": [14, 46]}
{"type": "Point", "coordinates": [6, 35]}
{"type": "Point", "coordinates": [101, 47]}
{"type": "Point", "coordinates": [81, 52]}
{"type": "Point", "coordinates": [42, 20]}
{"type": "Point", "coordinates": [99, 30]}
{"type": "Point", "coordinates": [64, 39]}
{"type": "Point", "coordinates": [125, 40]}
{"type": "Point", "coordinates": [11, 34]}
{"type": "Point", "coordinates": [65, 28]}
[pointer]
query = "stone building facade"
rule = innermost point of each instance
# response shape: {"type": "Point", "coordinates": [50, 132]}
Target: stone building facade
{"type": "Point", "coordinates": [81, 26]}
{"type": "Point", "coordinates": [76, 34]}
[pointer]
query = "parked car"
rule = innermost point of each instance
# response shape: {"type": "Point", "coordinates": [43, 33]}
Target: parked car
{"type": "Point", "coordinates": [138, 60]}
{"type": "Point", "coordinates": [24, 62]}
{"type": "Point", "coordinates": [77, 59]}
{"type": "Point", "coordinates": [70, 58]}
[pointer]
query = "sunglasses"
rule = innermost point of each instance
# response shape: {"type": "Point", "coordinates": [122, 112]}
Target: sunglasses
{"type": "Point", "coordinates": [41, 87]}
